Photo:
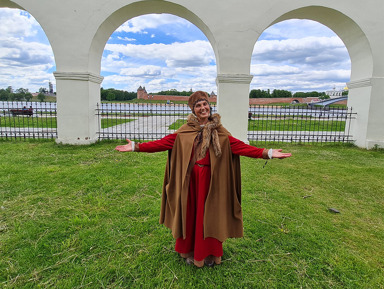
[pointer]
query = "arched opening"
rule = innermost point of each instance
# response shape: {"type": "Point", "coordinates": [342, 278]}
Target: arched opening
{"type": "Point", "coordinates": [349, 32]}
{"type": "Point", "coordinates": [360, 53]}
{"type": "Point", "coordinates": [118, 18]}
{"type": "Point", "coordinates": [161, 52]}
{"type": "Point", "coordinates": [300, 56]}
{"type": "Point", "coordinates": [26, 56]}
{"type": "Point", "coordinates": [363, 127]}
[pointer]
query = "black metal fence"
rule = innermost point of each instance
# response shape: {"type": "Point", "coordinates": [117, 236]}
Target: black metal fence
{"type": "Point", "coordinates": [152, 121]}
{"type": "Point", "coordinates": [300, 124]}
{"type": "Point", "coordinates": [140, 121]}
{"type": "Point", "coordinates": [265, 123]}
{"type": "Point", "coordinates": [20, 120]}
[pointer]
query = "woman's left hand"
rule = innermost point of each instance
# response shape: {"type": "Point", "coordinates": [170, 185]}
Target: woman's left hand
{"type": "Point", "coordinates": [277, 154]}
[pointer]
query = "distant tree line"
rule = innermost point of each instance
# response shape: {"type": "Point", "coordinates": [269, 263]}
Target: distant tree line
{"type": "Point", "coordinates": [174, 92]}
{"type": "Point", "coordinates": [320, 95]}
{"type": "Point", "coordinates": [278, 93]}
{"type": "Point", "coordinates": [20, 94]}
{"type": "Point", "coordinates": [111, 94]}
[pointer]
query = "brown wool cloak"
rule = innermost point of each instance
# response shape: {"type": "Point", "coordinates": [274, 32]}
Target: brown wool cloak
{"type": "Point", "coordinates": [223, 215]}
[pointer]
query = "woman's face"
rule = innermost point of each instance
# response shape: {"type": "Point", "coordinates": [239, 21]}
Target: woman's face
{"type": "Point", "coordinates": [202, 111]}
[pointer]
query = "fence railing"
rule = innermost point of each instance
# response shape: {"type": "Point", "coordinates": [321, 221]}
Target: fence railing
{"type": "Point", "coordinates": [265, 123]}
{"type": "Point", "coordinates": [152, 121]}
{"type": "Point", "coordinates": [300, 124]}
{"type": "Point", "coordinates": [139, 121]}
{"type": "Point", "coordinates": [28, 120]}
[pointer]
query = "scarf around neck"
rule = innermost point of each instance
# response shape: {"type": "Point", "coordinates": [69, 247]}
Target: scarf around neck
{"type": "Point", "coordinates": [207, 134]}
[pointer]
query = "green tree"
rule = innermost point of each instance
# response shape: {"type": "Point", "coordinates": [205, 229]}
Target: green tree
{"type": "Point", "coordinates": [115, 94]}
{"type": "Point", "coordinates": [279, 93]}
{"type": "Point", "coordinates": [41, 96]}
{"type": "Point", "coordinates": [22, 90]}
{"type": "Point", "coordinates": [28, 96]}
{"type": "Point", "coordinates": [300, 94]}
{"type": "Point", "coordinates": [174, 92]}
{"type": "Point", "coordinates": [4, 95]}
{"type": "Point", "coordinates": [110, 96]}
{"type": "Point", "coordinates": [324, 96]}
{"type": "Point", "coordinates": [258, 93]}
{"type": "Point", "coordinates": [43, 90]}
{"type": "Point", "coordinates": [18, 96]}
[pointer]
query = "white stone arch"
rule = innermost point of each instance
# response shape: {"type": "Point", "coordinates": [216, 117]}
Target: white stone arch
{"type": "Point", "coordinates": [123, 14]}
{"type": "Point", "coordinates": [362, 62]}
{"type": "Point", "coordinates": [77, 32]}
{"type": "Point", "coordinates": [88, 81]}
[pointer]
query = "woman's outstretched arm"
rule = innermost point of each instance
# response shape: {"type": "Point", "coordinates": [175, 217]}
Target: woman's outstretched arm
{"type": "Point", "coordinates": [166, 143]}
{"type": "Point", "coordinates": [240, 148]}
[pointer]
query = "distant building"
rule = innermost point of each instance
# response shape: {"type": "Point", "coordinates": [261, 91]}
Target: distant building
{"type": "Point", "coordinates": [50, 90]}
{"type": "Point", "coordinates": [334, 93]}
{"type": "Point", "coordinates": [142, 93]}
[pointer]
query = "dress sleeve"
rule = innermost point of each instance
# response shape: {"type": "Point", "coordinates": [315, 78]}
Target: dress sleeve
{"type": "Point", "coordinates": [240, 148]}
{"type": "Point", "coordinates": [166, 143]}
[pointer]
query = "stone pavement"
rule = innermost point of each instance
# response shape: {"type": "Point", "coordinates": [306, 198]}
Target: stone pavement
{"type": "Point", "coordinates": [143, 128]}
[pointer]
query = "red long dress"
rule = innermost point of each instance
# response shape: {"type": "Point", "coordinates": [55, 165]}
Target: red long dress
{"type": "Point", "coordinates": [198, 190]}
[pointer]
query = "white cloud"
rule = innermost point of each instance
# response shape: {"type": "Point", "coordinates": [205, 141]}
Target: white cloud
{"type": "Point", "coordinates": [195, 53]}
{"type": "Point", "coordinates": [25, 64]}
{"type": "Point", "coordinates": [151, 21]}
{"type": "Point", "coordinates": [143, 71]}
{"type": "Point", "coordinates": [306, 61]}
{"type": "Point", "coordinates": [15, 22]}
{"type": "Point", "coordinates": [18, 53]}
{"type": "Point", "coordinates": [296, 29]}
{"type": "Point", "coordinates": [24, 60]}
{"type": "Point", "coordinates": [300, 51]}
{"type": "Point", "coordinates": [126, 38]}
{"type": "Point", "coordinates": [265, 70]}
{"type": "Point", "coordinates": [157, 78]}
{"type": "Point", "coordinates": [306, 80]}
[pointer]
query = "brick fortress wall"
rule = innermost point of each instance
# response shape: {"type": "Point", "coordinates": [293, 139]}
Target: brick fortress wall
{"type": "Point", "coordinates": [142, 94]}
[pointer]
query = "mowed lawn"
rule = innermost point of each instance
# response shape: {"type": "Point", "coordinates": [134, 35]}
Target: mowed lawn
{"type": "Point", "coordinates": [87, 217]}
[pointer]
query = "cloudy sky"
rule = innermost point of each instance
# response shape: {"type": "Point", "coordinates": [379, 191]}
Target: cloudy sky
{"type": "Point", "coordinates": [164, 52]}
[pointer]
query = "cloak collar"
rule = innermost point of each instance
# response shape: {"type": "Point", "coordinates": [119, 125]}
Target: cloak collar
{"type": "Point", "coordinates": [207, 134]}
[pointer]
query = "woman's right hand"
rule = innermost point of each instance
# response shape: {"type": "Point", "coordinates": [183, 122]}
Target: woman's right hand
{"type": "Point", "coordinates": [125, 148]}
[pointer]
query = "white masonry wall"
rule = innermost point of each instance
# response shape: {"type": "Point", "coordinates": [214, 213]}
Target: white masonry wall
{"type": "Point", "coordinates": [79, 29]}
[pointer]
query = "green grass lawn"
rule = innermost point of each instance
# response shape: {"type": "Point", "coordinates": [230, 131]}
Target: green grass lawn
{"type": "Point", "coordinates": [295, 125]}
{"type": "Point", "coordinates": [87, 217]}
{"type": "Point", "coordinates": [51, 122]}
{"type": "Point", "coordinates": [25, 121]}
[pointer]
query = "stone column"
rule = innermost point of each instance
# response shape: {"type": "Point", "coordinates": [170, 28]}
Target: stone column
{"type": "Point", "coordinates": [365, 98]}
{"type": "Point", "coordinates": [233, 103]}
{"type": "Point", "coordinates": [77, 96]}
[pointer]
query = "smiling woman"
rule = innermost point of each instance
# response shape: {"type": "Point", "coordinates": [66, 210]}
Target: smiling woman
{"type": "Point", "coordinates": [201, 200]}
{"type": "Point", "coordinates": [26, 57]}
